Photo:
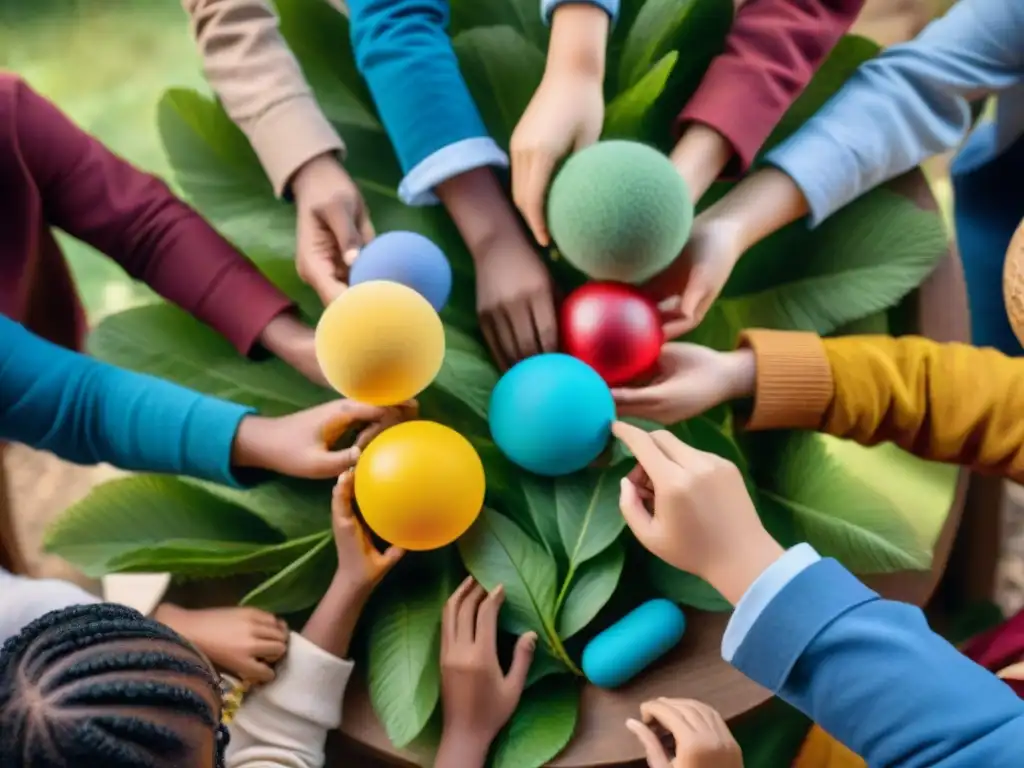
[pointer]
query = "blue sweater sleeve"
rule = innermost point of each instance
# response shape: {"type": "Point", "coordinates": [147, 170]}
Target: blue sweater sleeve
{"type": "Point", "coordinates": [88, 412]}
{"type": "Point", "coordinates": [873, 674]}
{"type": "Point", "coordinates": [906, 105]}
{"type": "Point", "coordinates": [403, 51]}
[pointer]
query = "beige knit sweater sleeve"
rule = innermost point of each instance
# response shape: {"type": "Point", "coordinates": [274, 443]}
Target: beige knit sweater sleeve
{"type": "Point", "coordinates": [259, 82]}
{"type": "Point", "coordinates": [285, 724]}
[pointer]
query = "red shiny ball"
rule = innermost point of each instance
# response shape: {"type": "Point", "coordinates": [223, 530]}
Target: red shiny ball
{"type": "Point", "coordinates": [613, 328]}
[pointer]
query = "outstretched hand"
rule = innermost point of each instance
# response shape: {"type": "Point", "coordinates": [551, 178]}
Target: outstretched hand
{"type": "Point", "coordinates": [687, 289]}
{"type": "Point", "coordinates": [302, 444]}
{"type": "Point", "coordinates": [565, 115]}
{"type": "Point", "coordinates": [692, 509]}
{"type": "Point", "coordinates": [332, 224]}
{"type": "Point", "coordinates": [702, 739]}
{"type": "Point", "coordinates": [691, 380]}
{"type": "Point", "coordinates": [477, 697]}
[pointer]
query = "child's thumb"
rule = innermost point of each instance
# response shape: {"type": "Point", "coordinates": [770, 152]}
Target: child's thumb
{"type": "Point", "coordinates": [522, 657]}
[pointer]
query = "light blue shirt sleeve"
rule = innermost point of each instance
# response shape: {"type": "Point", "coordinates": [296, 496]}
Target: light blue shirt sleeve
{"type": "Point", "coordinates": [906, 105]}
{"type": "Point", "coordinates": [769, 584]}
{"type": "Point", "coordinates": [88, 412]}
{"type": "Point", "coordinates": [548, 7]}
{"type": "Point", "coordinates": [417, 188]}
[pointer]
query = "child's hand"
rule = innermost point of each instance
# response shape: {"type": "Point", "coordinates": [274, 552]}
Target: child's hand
{"type": "Point", "coordinates": [332, 221]}
{"type": "Point", "coordinates": [477, 697]}
{"type": "Point", "coordinates": [360, 565]}
{"type": "Point", "coordinates": [689, 287]}
{"type": "Point", "coordinates": [300, 445]}
{"type": "Point", "coordinates": [692, 509]}
{"type": "Point", "coordinates": [691, 379]}
{"type": "Point", "coordinates": [515, 300]}
{"type": "Point", "coordinates": [245, 642]}
{"type": "Point", "coordinates": [565, 115]}
{"type": "Point", "coordinates": [702, 738]}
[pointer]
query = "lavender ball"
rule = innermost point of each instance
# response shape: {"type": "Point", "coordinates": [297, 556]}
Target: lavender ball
{"type": "Point", "coordinates": [407, 258]}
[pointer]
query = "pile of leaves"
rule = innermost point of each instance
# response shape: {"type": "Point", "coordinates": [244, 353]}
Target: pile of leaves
{"type": "Point", "coordinates": [558, 545]}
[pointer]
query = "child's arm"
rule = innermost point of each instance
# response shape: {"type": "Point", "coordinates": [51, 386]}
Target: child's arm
{"type": "Point", "coordinates": [286, 723]}
{"type": "Point", "coordinates": [261, 85]}
{"type": "Point", "coordinates": [909, 103]}
{"type": "Point", "coordinates": [941, 401]}
{"type": "Point", "coordinates": [88, 412]}
{"type": "Point", "coordinates": [133, 217]}
{"type": "Point", "coordinates": [870, 671]}
{"type": "Point", "coordinates": [404, 53]}
{"type": "Point", "coordinates": [477, 697]}
{"type": "Point", "coordinates": [566, 113]}
{"type": "Point", "coordinates": [771, 53]}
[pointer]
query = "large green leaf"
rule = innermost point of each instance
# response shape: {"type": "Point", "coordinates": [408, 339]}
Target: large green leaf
{"type": "Point", "coordinates": [541, 726]}
{"type": "Point", "coordinates": [301, 584]}
{"type": "Point", "coordinates": [860, 261]}
{"type": "Point", "coordinates": [838, 513]}
{"type": "Point", "coordinates": [212, 559]}
{"type": "Point", "coordinates": [294, 507]}
{"type": "Point", "coordinates": [502, 70]}
{"type": "Point", "coordinates": [496, 551]}
{"type": "Point", "coordinates": [627, 116]}
{"type": "Point", "coordinates": [523, 16]}
{"type": "Point", "coordinates": [685, 588]}
{"type": "Point", "coordinates": [592, 585]}
{"type": "Point", "coordinates": [589, 519]}
{"type": "Point", "coordinates": [130, 514]}
{"type": "Point", "coordinates": [651, 38]}
{"type": "Point", "coordinates": [164, 341]}
{"type": "Point", "coordinates": [404, 650]}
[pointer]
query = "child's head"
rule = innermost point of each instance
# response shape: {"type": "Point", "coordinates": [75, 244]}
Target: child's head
{"type": "Point", "coordinates": [103, 685]}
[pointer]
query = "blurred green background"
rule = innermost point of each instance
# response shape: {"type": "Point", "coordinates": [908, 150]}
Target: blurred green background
{"type": "Point", "coordinates": [105, 62]}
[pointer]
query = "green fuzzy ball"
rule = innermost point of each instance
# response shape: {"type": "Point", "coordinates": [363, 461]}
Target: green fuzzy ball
{"type": "Point", "coordinates": [619, 210]}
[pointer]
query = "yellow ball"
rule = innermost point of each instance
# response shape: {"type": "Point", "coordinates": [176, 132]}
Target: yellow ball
{"type": "Point", "coordinates": [380, 342]}
{"type": "Point", "coordinates": [419, 485]}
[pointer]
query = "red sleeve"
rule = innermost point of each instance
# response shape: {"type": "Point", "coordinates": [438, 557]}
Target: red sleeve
{"type": "Point", "coordinates": [771, 54]}
{"type": "Point", "coordinates": [133, 217]}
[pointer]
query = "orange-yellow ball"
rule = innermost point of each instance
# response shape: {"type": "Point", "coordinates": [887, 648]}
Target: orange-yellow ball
{"type": "Point", "coordinates": [419, 485]}
{"type": "Point", "coordinates": [380, 342]}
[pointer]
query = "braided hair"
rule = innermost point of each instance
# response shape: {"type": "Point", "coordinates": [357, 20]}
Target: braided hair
{"type": "Point", "coordinates": [102, 685]}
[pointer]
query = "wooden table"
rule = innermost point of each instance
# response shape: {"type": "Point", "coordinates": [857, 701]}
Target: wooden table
{"type": "Point", "coordinates": [695, 669]}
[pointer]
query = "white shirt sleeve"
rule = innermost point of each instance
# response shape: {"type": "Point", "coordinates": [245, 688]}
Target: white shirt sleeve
{"type": "Point", "coordinates": [285, 724]}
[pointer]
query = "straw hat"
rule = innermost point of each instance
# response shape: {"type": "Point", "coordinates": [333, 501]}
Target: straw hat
{"type": "Point", "coordinates": [1013, 282]}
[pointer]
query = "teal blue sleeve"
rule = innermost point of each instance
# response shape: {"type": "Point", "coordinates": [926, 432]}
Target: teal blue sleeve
{"type": "Point", "coordinates": [403, 51]}
{"type": "Point", "coordinates": [88, 412]}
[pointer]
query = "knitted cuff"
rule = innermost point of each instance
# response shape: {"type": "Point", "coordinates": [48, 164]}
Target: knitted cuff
{"type": "Point", "coordinates": [794, 385]}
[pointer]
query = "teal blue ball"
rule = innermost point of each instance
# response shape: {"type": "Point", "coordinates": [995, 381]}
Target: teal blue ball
{"type": "Point", "coordinates": [551, 414]}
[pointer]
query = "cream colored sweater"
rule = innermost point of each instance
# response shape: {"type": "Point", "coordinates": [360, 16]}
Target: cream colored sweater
{"type": "Point", "coordinates": [285, 724]}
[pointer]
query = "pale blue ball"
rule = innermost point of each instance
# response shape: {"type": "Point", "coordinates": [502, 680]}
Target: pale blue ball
{"type": "Point", "coordinates": [407, 258]}
{"type": "Point", "coordinates": [551, 414]}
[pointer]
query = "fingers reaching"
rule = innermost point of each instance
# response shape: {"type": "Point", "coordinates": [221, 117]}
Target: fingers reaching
{"type": "Point", "coordinates": [487, 618]}
{"type": "Point", "coordinates": [657, 757]}
{"type": "Point", "coordinates": [341, 497]}
{"type": "Point", "coordinates": [644, 450]}
{"type": "Point", "coordinates": [522, 658]}
{"type": "Point", "coordinates": [633, 509]}
{"type": "Point", "coordinates": [530, 176]}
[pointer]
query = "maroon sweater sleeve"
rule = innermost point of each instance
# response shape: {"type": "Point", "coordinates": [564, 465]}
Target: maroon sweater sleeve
{"type": "Point", "coordinates": [134, 218]}
{"type": "Point", "coordinates": [771, 54]}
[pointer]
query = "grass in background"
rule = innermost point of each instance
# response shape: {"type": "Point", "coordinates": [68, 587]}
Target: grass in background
{"type": "Point", "coordinates": [106, 63]}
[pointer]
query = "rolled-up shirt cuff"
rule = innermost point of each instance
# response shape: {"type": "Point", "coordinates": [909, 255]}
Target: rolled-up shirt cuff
{"type": "Point", "coordinates": [548, 7]}
{"type": "Point", "coordinates": [769, 584]}
{"type": "Point", "coordinates": [417, 188]}
{"type": "Point", "coordinates": [819, 165]}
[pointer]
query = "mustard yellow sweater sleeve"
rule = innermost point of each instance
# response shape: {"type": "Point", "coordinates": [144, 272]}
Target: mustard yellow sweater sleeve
{"type": "Point", "coordinates": [945, 402]}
